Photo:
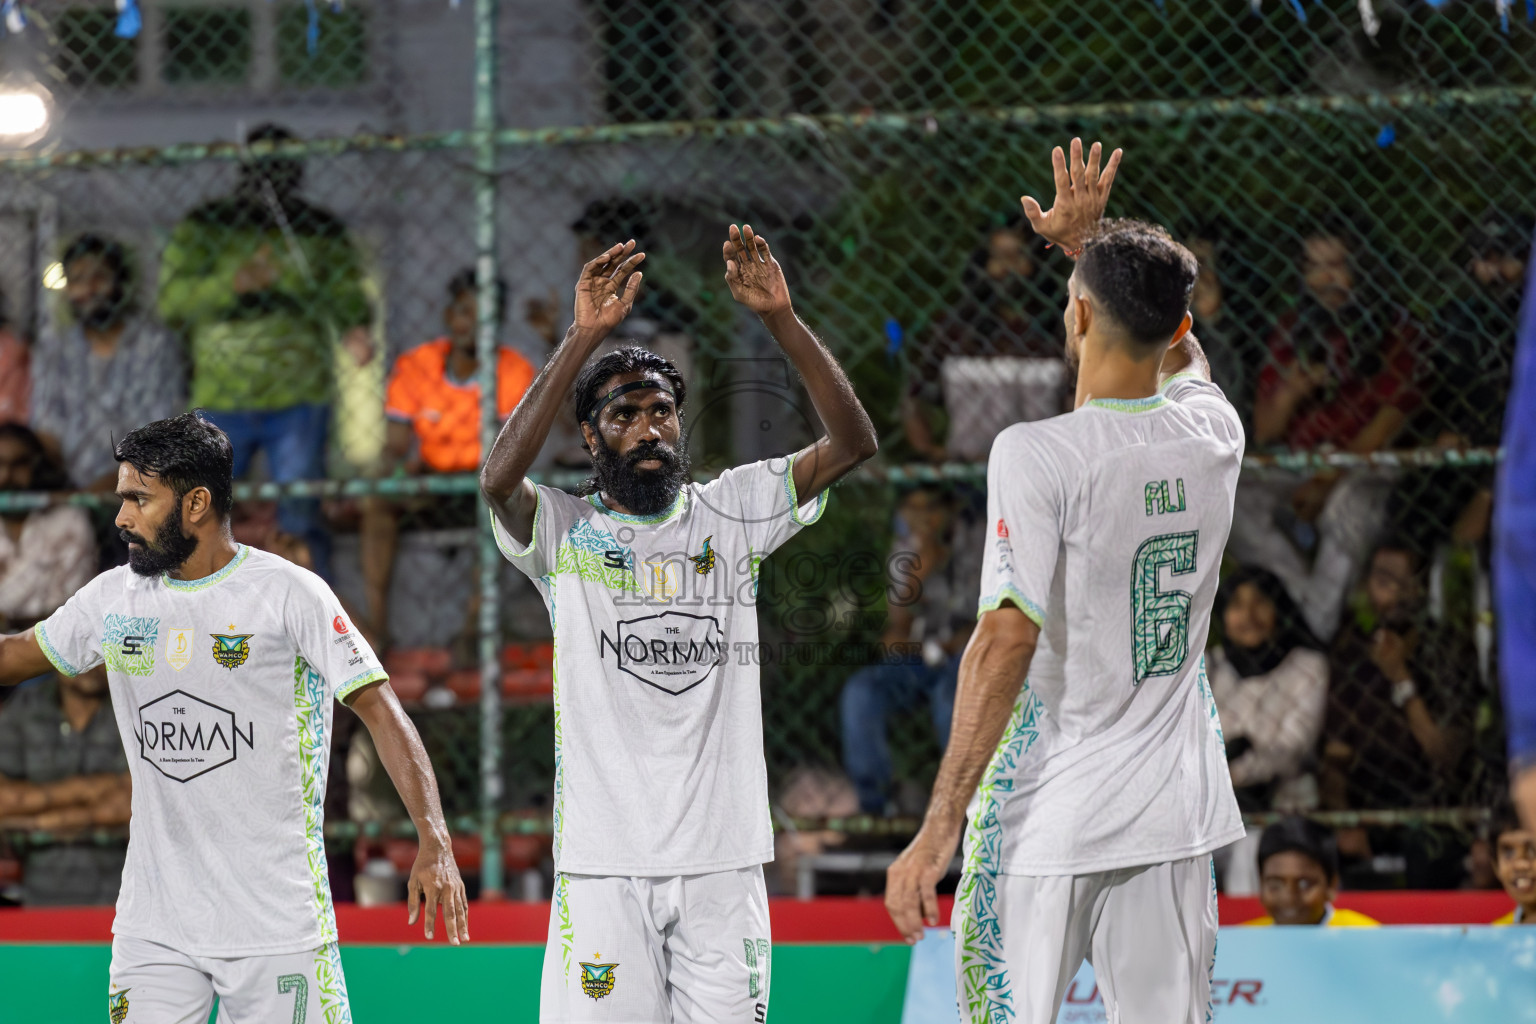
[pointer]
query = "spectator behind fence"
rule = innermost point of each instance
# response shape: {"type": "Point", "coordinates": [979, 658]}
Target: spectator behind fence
{"type": "Point", "coordinates": [1514, 852]}
{"type": "Point", "coordinates": [62, 771]}
{"type": "Point", "coordinates": [1337, 376]}
{"type": "Point", "coordinates": [113, 369]}
{"type": "Point", "coordinates": [433, 405]}
{"type": "Point", "coordinates": [15, 371]}
{"type": "Point", "coordinates": [262, 283]}
{"type": "Point", "coordinates": [989, 362]}
{"type": "Point", "coordinates": [935, 575]}
{"type": "Point", "coordinates": [1299, 877]}
{"type": "Point", "coordinates": [1401, 695]}
{"type": "Point", "coordinates": [1270, 681]}
{"type": "Point", "coordinates": [46, 554]}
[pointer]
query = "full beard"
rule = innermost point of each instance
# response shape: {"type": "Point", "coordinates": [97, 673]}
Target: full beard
{"type": "Point", "coordinates": [171, 548]}
{"type": "Point", "coordinates": [643, 492]}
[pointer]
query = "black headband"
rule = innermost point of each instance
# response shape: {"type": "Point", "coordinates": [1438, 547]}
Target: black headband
{"type": "Point", "coordinates": [623, 389]}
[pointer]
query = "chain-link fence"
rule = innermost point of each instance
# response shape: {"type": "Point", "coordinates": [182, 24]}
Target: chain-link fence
{"type": "Point", "coordinates": [1357, 189]}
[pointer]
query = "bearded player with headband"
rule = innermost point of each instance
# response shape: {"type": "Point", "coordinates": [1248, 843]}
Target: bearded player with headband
{"type": "Point", "coordinates": [661, 791]}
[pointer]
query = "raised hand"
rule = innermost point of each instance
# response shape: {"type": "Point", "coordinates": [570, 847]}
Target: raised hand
{"type": "Point", "coordinates": [1081, 195]}
{"type": "Point", "coordinates": [755, 278]}
{"type": "Point", "coordinates": [606, 290]}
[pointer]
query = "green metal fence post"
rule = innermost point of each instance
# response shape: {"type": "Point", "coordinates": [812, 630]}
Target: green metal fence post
{"type": "Point", "coordinates": [485, 345]}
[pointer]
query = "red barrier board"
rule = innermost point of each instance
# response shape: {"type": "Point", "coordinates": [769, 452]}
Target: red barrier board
{"type": "Point", "coordinates": [831, 919]}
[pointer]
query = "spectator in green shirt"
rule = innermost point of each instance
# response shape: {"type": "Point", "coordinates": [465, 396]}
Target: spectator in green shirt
{"type": "Point", "coordinates": [263, 284]}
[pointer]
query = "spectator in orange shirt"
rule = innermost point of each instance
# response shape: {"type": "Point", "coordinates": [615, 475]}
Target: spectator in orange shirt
{"type": "Point", "coordinates": [433, 405]}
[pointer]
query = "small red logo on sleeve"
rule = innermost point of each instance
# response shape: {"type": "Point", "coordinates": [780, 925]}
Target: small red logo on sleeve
{"type": "Point", "coordinates": [339, 624]}
{"type": "Point", "coordinates": [1002, 528]}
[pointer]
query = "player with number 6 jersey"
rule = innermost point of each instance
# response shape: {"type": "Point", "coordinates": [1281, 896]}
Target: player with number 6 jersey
{"type": "Point", "coordinates": [1093, 793]}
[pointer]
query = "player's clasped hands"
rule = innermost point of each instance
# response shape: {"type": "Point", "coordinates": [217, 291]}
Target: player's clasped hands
{"type": "Point", "coordinates": [435, 881]}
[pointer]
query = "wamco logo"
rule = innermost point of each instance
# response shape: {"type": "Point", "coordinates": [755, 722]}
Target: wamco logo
{"type": "Point", "coordinates": [673, 651]}
{"type": "Point", "coordinates": [184, 736]}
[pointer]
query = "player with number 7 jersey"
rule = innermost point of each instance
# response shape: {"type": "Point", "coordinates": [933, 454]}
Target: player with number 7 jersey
{"type": "Point", "coordinates": [1093, 792]}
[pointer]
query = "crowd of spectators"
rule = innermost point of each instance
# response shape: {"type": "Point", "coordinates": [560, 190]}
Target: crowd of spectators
{"type": "Point", "coordinates": [1349, 659]}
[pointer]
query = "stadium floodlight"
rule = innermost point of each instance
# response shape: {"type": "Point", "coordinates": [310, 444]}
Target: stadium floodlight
{"type": "Point", "coordinates": [23, 113]}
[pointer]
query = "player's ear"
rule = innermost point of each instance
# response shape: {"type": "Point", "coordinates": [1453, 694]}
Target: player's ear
{"type": "Point", "coordinates": [1184, 326]}
{"type": "Point", "coordinates": [195, 504]}
{"type": "Point", "coordinates": [588, 436]}
{"type": "Point", "coordinates": [1082, 313]}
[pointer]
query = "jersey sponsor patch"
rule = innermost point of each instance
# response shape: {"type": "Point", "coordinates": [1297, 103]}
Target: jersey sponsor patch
{"type": "Point", "coordinates": [184, 736]}
{"type": "Point", "coordinates": [128, 643]}
{"type": "Point", "coordinates": [673, 651]}
{"type": "Point", "coordinates": [178, 647]}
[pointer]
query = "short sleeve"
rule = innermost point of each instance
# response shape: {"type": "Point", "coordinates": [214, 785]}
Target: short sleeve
{"type": "Point", "coordinates": [71, 636]}
{"type": "Point", "coordinates": [400, 399]}
{"type": "Point", "coordinates": [326, 639]}
{"type": "Point", "coordinates": [552, 518]}
{"type": "Point", "coordinates": [1025, 522]}
{"type": "Point", "coordinates": [762, 497]}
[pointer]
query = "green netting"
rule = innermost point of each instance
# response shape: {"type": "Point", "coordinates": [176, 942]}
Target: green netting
{"type": "Point", "coordinates": [882, 146]}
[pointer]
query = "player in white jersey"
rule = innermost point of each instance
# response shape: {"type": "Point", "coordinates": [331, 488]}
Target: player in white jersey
{"type": "Point", "coordinates": [223, 662]}
{"type": "Point", "coordinates": [1094, 791]}
{"type": "Point", "coordinates": [661, 790]}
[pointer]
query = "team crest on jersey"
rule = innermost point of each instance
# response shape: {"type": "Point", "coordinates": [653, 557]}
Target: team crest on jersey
{"type": "Point", "coordinates": [704, 561]}
{"type": "Point", "coordinates": [117, 1006]}
{"type": "Point", "coordinates": [231, 650]}
{"type": "Point", "coordinates": [597, 980]}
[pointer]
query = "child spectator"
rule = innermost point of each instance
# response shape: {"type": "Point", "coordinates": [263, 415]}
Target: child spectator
{"type": "Point", "coordinates": [1514, 851]}
{"type": "Point", "coordinates": [1299, 874]}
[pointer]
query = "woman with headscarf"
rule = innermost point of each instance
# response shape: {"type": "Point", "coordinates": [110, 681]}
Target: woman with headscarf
{"type": "Point", "coordinates": [1270, 681]}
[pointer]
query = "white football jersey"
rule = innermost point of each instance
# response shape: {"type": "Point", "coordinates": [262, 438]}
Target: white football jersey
{"type": "Point", "coordinates": [659, 764]}
{"type": "Point", "coordinates": [222, 688]}
{"type": "Point", "coordinates": [1106, 527]}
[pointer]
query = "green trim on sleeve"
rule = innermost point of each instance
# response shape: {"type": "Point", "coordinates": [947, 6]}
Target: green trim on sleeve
{"type": "Point", "coordinates": [1009, 592]}
{"type": "Point", "coordinates": [794, 498]}
{"type": "Point", "coordinates": [359, 681]}
{"type": "Point", "coordinates": [51, 653]}
{"type": "Point", "coordinates": [499, 532]}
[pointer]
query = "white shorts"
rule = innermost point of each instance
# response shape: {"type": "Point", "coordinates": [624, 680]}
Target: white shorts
{"type": "Point", "coordinates": [154, 984]}
{"type": "Point", "coordinates": [691, 949]}
{"type": "Point", "coordinates": [1150, 933]}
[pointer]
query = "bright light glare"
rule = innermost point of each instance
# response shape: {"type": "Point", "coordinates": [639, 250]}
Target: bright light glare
{"type": "Point", "coordinates": [22, 113]}
{"type": "Point", "coordinates": [53, 277]}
